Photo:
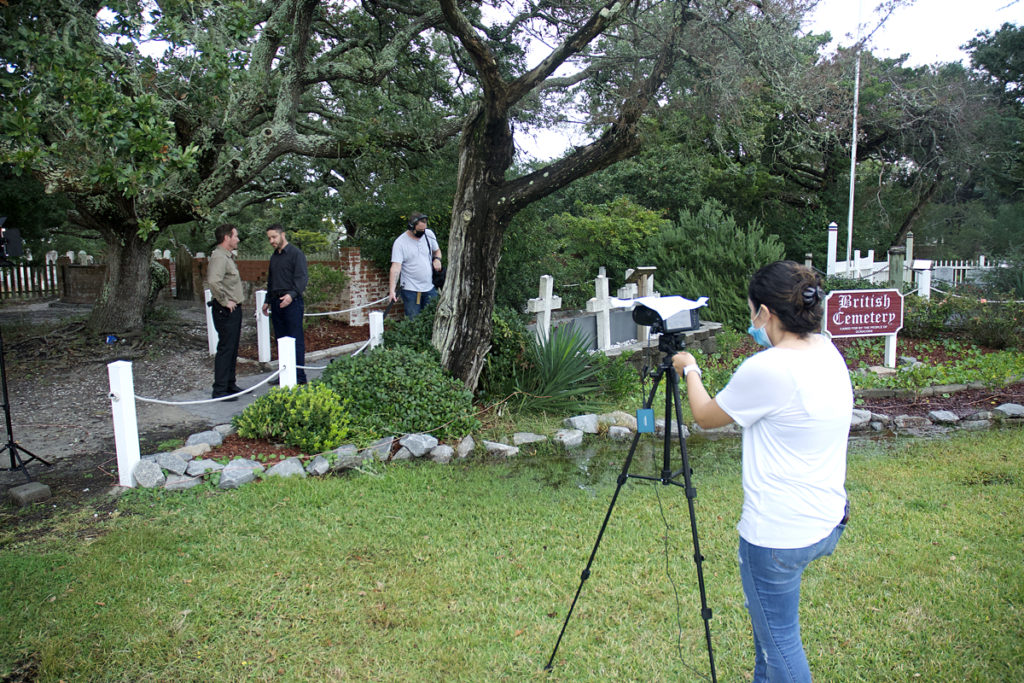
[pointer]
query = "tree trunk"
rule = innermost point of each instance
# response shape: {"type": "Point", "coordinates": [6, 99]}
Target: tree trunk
{"type": "Point", "coordinates": [462, 326]}
{"type": "Point", "coordinates": [121, 304]}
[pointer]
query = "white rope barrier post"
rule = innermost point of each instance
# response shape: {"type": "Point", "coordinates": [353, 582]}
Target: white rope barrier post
{"type": "Point", "coordinates": [376, 328]}
{"type": "Point", "coordinates": [126, 427]}
{"type": "Point", "coordinates": [211, 331]}
{"type": "Point", "coordinates": [286, 361]}
{"type": "Point", "coordinates": [262, 328]}
{"type": "Point", "coordinates": [890, 351]}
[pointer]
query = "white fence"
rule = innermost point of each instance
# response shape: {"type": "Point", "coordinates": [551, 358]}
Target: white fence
{"type": "Point", "coordinates": [917, 271]}
{"type": "Point", "coordinates": [26, 281]}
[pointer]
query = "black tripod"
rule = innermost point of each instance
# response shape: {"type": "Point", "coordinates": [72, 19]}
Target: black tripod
{"type": "Point", "coordinates": [17, 462]}
{"type": "Point", "coordinates": [669, 344]}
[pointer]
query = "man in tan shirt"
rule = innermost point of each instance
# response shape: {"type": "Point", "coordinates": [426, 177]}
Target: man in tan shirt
{"type": "Point", "coordinates": [225, 286]}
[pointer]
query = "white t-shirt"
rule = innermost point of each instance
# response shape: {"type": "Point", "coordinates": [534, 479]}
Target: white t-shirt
{"type": "Point", "coordinates": [416, 257]}
{"type": "Point", "coordinates": [795, 407]}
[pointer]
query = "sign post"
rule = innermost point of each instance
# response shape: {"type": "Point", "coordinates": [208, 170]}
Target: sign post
{"type": "Point", "coordinates": [866, 313]}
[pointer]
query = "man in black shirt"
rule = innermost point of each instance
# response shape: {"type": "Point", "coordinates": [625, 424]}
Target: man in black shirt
{"type": "Point", "coordinates": [286, 281]}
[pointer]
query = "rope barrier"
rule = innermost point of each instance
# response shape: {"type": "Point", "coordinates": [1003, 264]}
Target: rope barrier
{"type": "Point", "coordinates": [361, 348]}
{"type": "Point", "coordinates": [980, 301]}
{"type": "Point", "coordinates": [348, 310]}
{"type": "Point", "coordinates": [208, 400]}
{"type": "Point", "coordinates": [311, 367]}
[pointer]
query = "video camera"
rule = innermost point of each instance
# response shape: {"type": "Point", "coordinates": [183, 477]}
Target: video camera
{"type": "Point", "coordinates": [668, 314]}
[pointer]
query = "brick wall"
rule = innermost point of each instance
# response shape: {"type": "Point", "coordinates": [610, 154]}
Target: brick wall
{"type": "Point", "coordinates": [366, 283]}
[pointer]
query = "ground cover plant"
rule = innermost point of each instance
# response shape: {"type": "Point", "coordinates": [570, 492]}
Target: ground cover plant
{"type": "Point", "coordinates": [465, 573]}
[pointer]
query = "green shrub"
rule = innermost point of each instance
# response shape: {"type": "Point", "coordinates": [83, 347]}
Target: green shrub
{"type": "Point", "coordinates": [325, 286]}
{"type": "Point", "coordinates": [997, 325]}
{"type": "Point", "coordinates": [413, 333]}
{"type": "Point", "coordinates": [393, 391]}
{"type": "Point", "coordinates": [617, 377]}
{"type": "Point", "coordinates": [509, 355]}
{"type": "Point", "coordinates": [310, 417]}
{"type": "Point", "coordinates": [707, 254]}
{"type": "Point", "coordinates": [561, 375]}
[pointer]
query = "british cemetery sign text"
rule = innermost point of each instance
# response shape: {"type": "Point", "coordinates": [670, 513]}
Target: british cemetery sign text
{"type": "Point", "coordinates": [866, 313]}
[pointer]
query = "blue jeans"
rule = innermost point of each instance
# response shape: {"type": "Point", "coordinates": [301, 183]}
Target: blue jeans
{"type": "Point", "coordinates": [771, 588]}
{"type": "Point", "coordinates": [412, 308]}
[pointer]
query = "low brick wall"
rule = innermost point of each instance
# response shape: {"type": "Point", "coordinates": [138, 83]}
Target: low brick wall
{"type": "Point", "coordinates": [367, 282]}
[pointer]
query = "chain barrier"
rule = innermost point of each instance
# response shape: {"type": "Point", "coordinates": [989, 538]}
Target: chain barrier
{"type": "Point", "coordinates": [207, 400]}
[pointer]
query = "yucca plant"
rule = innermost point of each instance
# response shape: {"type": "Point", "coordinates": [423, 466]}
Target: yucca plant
{"type": "Point", "coordinates": [561, 375]}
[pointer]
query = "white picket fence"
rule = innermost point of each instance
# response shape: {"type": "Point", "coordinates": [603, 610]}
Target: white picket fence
{"type": "Point", "coordinates": [917, 271]}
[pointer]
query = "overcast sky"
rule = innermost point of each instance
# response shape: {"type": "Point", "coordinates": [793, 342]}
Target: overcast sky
{"type": "Point", "coordinates": [929, 31]}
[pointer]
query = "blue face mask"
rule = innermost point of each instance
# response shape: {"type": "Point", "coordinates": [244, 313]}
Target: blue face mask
{"type": "Point", "coordinates": [760, 335]}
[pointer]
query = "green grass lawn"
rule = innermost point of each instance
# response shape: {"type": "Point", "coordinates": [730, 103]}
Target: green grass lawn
{"type": "Point", "coordinates": [465, 573]}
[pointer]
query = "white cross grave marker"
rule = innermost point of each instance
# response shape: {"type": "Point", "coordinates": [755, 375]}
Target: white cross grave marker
{"type": "Point", "coordinates": [601, 306]}
{"type": "Point", "coordinates": [543, 305]}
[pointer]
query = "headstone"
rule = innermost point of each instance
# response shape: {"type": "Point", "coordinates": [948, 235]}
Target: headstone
{"type": "Point", "coordinates": [543, 305]}
{"type": "Point", "coordinates": [601, 306]}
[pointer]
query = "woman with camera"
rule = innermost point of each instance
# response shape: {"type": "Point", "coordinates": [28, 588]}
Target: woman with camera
{"type": "Point", "coordinates": [794, 401]}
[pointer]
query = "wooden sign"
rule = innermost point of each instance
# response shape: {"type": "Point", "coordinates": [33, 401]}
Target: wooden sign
{"type": "Point", "coordinates": [864, 312]}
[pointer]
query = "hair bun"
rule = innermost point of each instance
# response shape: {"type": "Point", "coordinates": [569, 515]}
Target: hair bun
{"type": "Point", "coordinates": [813, 295]}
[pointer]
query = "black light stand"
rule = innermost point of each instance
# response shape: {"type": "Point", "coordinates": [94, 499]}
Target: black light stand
{"type": "Point", "coordinates": [10, 245]}
{"type": "Point", "coordinates": [670, 344]}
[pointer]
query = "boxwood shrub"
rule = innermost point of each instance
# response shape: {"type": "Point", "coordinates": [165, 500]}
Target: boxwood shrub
{"type": "Point", "coordinates": [310, 417]}
{"type": "Point", "coordinates": [394, 391]}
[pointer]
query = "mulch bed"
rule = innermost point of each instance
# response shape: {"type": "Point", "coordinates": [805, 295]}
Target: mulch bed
{"type": "Point", "coordinates": [320, 335]}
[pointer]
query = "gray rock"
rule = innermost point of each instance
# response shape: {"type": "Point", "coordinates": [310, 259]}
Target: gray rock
{"type": "Point", "coordinates": [981, 415]}
{"type": "Point", "coordinates": [177, 482]}
{"type": "Point", "coordinates": [618, 418]}
{"type": "Point", "coordinates": [442, 454]}
{"type": "Point", "coordinates": [881, 417]}
{"type": "Point", "coordinates": [568, 438]}
{"type": "Point", "coordinates": [617, 433]}
{"type": "Point", "coordinates": [945, 417]}
{"type": "Point", "coordinates": [730, 430]}
{"type": "Point", "coordinates": [225, 430]}
{"type": "Point", "coordinates": [318, 466]}
{"type": "Point", "coordinates": [148, 474]}
{"type": "Point", "coordinates": [418, 444]}
{"type": "Point", "coordinates": [860, 419]}
{"type": "Point", "coordinates": [465, 446]}
{"type": "Point", "coordinates": [502, 449]}
{"type": "Point", "coordinates": [522, 438]}
{"type": "Point", "coordinates": [381, 448]}
{"type": "Point", "coordinates": [402, 453]}
{"type": "Point", "coordinates": [349, 457]}
{"type": "Point", "coordinates": [877, 426]}
{"type": "Point", "coordinates": [911, 421]}
{"type": "Point", "coordinates": [1010, 410]}
{"type": "Point", "coordinates": [659, 429]}
{"type": "Point", "coordinates": [238, 472]}
{"type": "Point", "coordinates": [292, 467]}
{"type": "Point", "coordinates": [152, 456]}
{"type": "Point", "coordinates": [585, 423]}
{"type": "Point", "coordinates": [211, 437]}
{"type": "Point", "coordinates": [188, 453]}
{"type": "Point", "coordinates": [26, 494]}
{"type": "Point", "coordinates": [172, 462]}
{"type": "Point", "coordinates": [197, 468]}
{"type": "Point", "coordinates": [975, 425]}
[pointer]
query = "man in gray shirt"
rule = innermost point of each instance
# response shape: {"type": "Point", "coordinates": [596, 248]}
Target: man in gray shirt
{"type": "Point", "coordinates": [225, 286]}
{"type": "Point", "coordinates": [415, 256]}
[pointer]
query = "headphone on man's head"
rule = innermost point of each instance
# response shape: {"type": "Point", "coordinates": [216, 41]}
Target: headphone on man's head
{"type": "Point", "coordinates": [416, 218]}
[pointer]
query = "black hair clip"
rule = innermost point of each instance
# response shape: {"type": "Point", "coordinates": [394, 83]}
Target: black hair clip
{"type": "Point", "coordinates": [812, 295]}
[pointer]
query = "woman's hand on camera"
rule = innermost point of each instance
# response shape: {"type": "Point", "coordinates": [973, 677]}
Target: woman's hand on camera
{"type": "Point", "coordinates": [681, 360]}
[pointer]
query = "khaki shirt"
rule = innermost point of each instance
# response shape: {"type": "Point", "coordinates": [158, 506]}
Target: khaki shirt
{"type": "Point", "coordinates": [222, 277]}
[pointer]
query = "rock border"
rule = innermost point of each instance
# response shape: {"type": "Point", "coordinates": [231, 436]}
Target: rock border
{"type": "Point", "coordinates": [185, 468]}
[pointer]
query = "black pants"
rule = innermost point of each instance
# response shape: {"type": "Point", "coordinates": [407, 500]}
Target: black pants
{"type": "Point", "coordinates": [287, 322]}
{"type": "Point", "coordinates": [229, 329]}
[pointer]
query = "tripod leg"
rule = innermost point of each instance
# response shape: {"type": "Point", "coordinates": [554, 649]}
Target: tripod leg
{"type": "Point", "coordinates": [691, 495]}
{"type": "Point", "coordinates": [623, 477]}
